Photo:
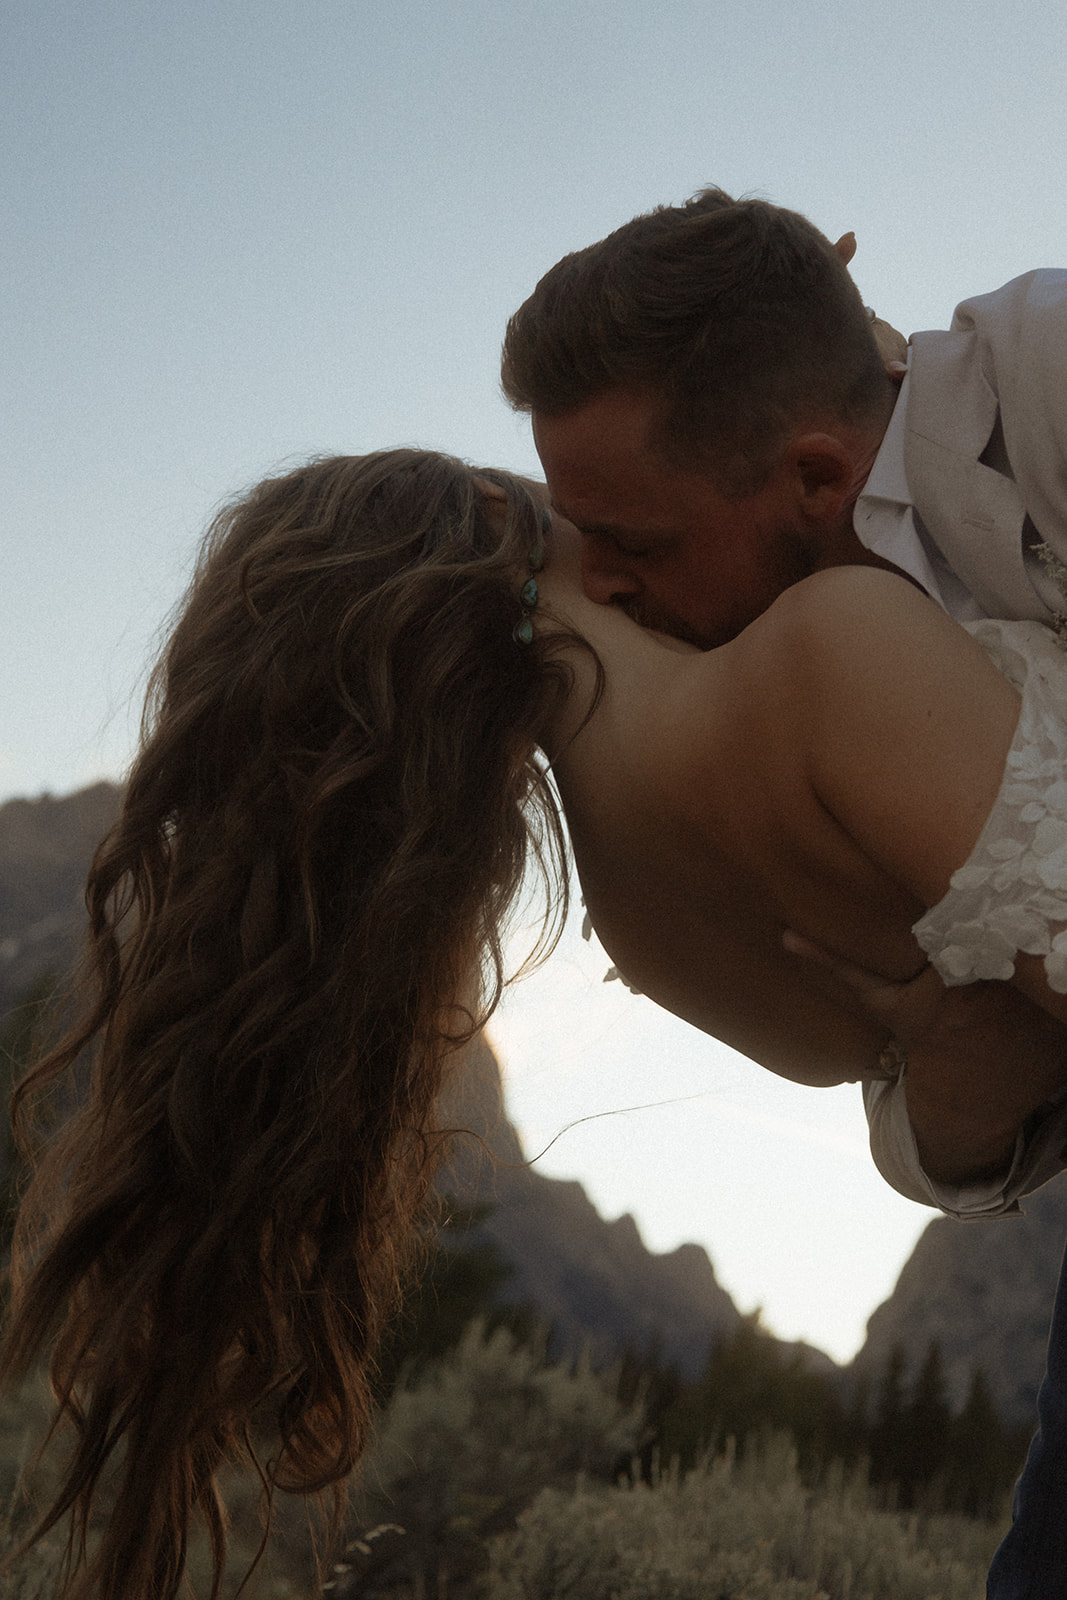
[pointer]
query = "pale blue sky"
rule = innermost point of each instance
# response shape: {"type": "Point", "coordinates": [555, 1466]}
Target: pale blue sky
{"type": "Point", "coordinates": [238, 234]}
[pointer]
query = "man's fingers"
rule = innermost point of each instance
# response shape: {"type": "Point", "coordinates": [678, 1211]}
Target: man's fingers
{"type": "Point", "coordinates": [908, 1007]}
{"type": "Point", "coordinates": [797, 945]}
{"type": "Point", "coordinates": [892, 345]}
{"type": "Point", "coordinates": [858, 978]}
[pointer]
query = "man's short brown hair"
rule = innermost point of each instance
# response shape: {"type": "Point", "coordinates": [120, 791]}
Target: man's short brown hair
{"type": "Point", "coordinates": [740, 316]}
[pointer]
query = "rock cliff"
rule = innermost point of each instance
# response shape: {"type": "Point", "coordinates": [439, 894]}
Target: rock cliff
{"type": "Point", "coordinates": [984, 1291]}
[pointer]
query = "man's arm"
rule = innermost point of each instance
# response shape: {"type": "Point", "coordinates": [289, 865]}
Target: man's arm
{"type": "Point", "coordinates": [981, 1101]}
{"type": "Point", "coordinates": [992, 1060]}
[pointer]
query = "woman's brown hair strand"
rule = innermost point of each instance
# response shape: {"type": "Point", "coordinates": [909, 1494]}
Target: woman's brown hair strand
{"type": "Point", "coordinates": [294, 924]}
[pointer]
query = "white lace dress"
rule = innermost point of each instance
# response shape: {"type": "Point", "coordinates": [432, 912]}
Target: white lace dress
{"type": "Point", "coordinates": [1009, 896]}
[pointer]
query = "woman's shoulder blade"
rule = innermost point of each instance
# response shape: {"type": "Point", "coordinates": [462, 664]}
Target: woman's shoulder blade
{"type": "Point", "coordinates": [843, 597]}
{"type": "Point", "coordinates": [854, 631]}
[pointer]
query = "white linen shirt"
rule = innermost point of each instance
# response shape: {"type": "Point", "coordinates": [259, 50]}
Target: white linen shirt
{"type": "Point", "coordinates": [886, 522]}
{"type": "Point", "coordinates": [996, 381]}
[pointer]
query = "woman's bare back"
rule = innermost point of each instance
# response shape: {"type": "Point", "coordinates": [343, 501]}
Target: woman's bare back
{"type": "Point", "coordinates": [700, 834]}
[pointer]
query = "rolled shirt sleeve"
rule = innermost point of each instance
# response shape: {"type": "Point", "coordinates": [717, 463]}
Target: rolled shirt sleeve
{"type": "Point", "coordinates": [1039, 1156]}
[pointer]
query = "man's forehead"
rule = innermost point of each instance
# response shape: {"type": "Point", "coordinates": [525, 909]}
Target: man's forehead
{"type": "Point", "coordinates": [618, 422]}
{"type": "Point", "coordinates": [614, 509]}
{"type": "Point", "coordinates": [598, 482]}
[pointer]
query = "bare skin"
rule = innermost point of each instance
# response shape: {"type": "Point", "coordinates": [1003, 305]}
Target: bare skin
{"type": "Point", "coordinates": [981, 1059]}
{"type": "Point", "coordinates": [810, 776]}
{"type": "Point", "coordinates": [676, 555]}
{"type": "Point", "coordinates": [669, 547]}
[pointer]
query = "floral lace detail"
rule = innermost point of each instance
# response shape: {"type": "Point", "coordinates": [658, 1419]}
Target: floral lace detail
{"type": "Point", "coordinates": [1058, 573]}
{"type": "Point", "coordinates": [1011, 894]}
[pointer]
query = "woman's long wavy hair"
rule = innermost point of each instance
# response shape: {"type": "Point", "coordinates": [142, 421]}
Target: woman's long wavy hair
{"type": "Point", "coordinates": [295, 922]}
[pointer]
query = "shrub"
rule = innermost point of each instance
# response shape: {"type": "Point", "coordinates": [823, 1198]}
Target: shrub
{"type": "Point", "coordinates": [458, 1453]}
{"type": "Point", "coordinates": [734, 1530]}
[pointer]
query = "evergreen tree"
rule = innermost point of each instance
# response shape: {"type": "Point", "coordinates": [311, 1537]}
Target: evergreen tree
{"type": "Point", "coordinates": [855, 1424]}
{"type": "Point", "coordinates": [924, 1429]}
{"type": "Point", "coordinates": [887, 1431]}
{"type": "Point", "coordinates": [654, 1384]}
{"type": "Point", "coordinates": [738, 1394]}
{"type": "Point", "coordinates": [754, 1384]}
{"type": "Point", "coordinates": [460, 1279]}
{"type": "Point", "coordinates": [983, 1456]}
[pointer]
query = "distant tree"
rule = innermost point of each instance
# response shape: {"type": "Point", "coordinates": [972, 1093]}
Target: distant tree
{"type": "Point", "coordinates": [648, 1376]}
{"type": "Point", "coordinates": [460, 1278]}
{"type": "Point", "coordinates": [856, 1426]}
{"type": "Point", "coordinates": [754, 1384]}
{"type": "Point", "coordinates": [983, 1457]}
{"type": "Point", "coordinates": [924, 1430]}
{"type": "Point", "coordinates": [646, 1379]}
{"type": "Point", "coordinates": [922, 1455]}
{"type": "Point", "coordinates": [887, 1431]}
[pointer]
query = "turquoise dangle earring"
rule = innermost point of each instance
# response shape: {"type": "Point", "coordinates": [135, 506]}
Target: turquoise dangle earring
{"type": "Point", "coordinates": [523, 630]}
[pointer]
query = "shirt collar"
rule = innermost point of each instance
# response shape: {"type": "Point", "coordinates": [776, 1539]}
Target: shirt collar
{"type": "Point", "coordinates": [886, 522]}
{"type": "Point", "coordinates": [887, 479]}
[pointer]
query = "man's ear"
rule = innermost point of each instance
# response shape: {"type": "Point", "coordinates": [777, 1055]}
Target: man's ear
{"type": "Point", "coordinates": [822, 473]}
{"type": "Point", "coordinates": [846, 246]}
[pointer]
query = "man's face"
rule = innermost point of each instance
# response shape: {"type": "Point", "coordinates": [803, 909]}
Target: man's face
{"type": "Point", "coordinates": [665, 544]}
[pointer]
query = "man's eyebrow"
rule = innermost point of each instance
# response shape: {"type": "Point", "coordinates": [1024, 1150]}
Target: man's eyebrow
{"type": "Point", "coordinates": [613, 530]}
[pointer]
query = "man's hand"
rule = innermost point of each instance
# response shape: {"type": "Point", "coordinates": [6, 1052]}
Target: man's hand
{"type": "Point", "coordinates": [893, 347]}
{"type": "Point", "coordinates": [981, 1059]}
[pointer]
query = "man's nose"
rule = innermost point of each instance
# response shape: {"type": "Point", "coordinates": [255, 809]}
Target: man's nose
{"type": "Point", "coordinates": [606, 577]}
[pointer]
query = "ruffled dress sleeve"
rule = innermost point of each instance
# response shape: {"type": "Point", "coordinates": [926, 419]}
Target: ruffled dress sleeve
{"type": "Point", "coordinates": [1010, 896]}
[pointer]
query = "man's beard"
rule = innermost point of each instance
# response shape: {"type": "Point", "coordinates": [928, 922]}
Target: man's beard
{"type": "Point", "coordinates": [654, 620]}
{"type": "Point", "coordinates": [795, 562]}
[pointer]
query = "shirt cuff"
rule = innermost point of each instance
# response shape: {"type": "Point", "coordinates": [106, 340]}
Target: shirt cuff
{"type": "Point", "coordinates": [1038, 1156]}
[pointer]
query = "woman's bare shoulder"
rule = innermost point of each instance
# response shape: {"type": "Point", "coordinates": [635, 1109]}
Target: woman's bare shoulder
{"type": "Point", "coordinates": [846, 627]}
{"type": "Point", "coordinates": [908, 721]}
{"type": "Point", "coordinates": [867, 696]}
{"type": "Point", "coordinates": [822, 635]}
{"type": "Point", "coordinates": [844, 668]}
{"type": "Point", "coordinates": [840, 600]}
